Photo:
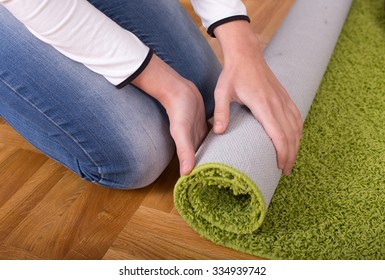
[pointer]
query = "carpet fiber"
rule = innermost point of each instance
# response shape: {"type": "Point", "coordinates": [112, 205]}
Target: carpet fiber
{"type": "Point", "coordinates": [333, 205]}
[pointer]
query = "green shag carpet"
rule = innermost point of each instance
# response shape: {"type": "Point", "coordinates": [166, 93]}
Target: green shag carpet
{"type": "Point", "coordinates": [333, 204]}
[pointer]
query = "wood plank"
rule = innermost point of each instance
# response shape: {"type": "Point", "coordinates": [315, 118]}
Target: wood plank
{"type": "Point", "coordinates": [153, 234]}
{"type": "Point", "coordinates": [28, 196]}
{"type": "Point", "coordinates": [16, 169]}
{"type": "Point", "coordinates": [13, 253]}
{"type": "Point", "coordinates": [38, 232]}
{"type": "Point", "coordinates": [75, 220]}
{"type": "Point", "coordinates": [266, 16]}
{"type": "Point", "coordinates": [161, 196]}
{"type": "Point", "coordinates": [174, 211]}
{"type": "Point", "coordinates": [96, 218]}
{"type": "Point", "coordinates": [9, 137]}
{"type": "Point", "coordinates": [6, 151]}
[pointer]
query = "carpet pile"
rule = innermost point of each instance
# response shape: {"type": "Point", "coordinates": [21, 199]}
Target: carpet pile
{"type": "Point", "coordinates": [333, 204]}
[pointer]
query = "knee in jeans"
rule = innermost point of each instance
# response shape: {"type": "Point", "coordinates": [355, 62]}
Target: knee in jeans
{"type": "Point", "coordinates": [129, 170]}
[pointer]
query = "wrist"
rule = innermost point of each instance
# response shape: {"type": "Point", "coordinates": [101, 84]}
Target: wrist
{"type": "Point", "coordinates": [159, 80]}
{"type": "Point", "coordinates": [238, 40]}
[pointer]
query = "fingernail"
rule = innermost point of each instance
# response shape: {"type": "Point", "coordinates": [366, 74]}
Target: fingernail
{"type": "Point", "coordinates": [288, 172]}
{"type": "Point", "coordinates": [218, 126]}
{"type": "Point", "coordinates": [184, 168]}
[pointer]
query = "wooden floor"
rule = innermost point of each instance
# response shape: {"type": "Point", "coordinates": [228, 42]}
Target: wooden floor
{"type": "Point", "coordinates": [47, 212]}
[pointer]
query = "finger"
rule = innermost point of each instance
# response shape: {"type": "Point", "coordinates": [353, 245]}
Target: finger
{"type": "Point", "coordinates": [221, 112]}
{"type": "Point", "coordinates": [185, 151]}
{"type": "Point", "coordinates": [281, 144]}
{"type": "Point", "coordinates": [276, 133]}
{"type": "Point", "coordinates": [187, 161]}
{"type": "Point", "coordinates": [293, 128]}
{"type": "Point", "coordinates": [294, 133]}
{"type": "Point", "coordinates": [295, 119]}
{"type": "Point", "coordinates": [293, 144]}
{"type": "Point", "coordinates": [293, 108]}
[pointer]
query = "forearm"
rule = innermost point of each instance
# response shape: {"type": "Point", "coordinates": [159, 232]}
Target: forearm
{"type": "Point", "coordinates": [84, 34]}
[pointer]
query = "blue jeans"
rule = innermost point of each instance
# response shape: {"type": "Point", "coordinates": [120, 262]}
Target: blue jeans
{"type": "Point", "coordinates": [117, 138]}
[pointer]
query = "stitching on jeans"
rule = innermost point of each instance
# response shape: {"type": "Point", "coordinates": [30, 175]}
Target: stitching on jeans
{"type": "Point", "coordinates": [58, 126]}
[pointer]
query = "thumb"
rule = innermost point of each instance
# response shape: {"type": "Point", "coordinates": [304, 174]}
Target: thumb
{"type": "Point", "coordinates": [185, 152]}
{"type": "Point", "coordinates": [221, 112]}
{"type": "Point", "coordinates": [186, 160]}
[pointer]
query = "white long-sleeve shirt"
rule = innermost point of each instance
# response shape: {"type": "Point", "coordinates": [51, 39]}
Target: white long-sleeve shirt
{"type": "Point", "coordinates": [81, 32]}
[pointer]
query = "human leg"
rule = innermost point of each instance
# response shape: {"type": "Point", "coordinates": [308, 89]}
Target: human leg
{"type": "Point", "coordinates": [116, 138]}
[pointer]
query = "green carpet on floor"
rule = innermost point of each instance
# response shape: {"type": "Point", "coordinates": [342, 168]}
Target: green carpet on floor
{"type": "Point", "coordinates": [333, 204]}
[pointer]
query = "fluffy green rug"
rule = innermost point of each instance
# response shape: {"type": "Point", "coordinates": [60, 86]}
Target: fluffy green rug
{"type": "Point", "coordinates": [333, 205]}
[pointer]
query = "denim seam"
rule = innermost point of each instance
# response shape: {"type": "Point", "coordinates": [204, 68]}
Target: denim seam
{"type": "Point", "coordinates": [58, 126]}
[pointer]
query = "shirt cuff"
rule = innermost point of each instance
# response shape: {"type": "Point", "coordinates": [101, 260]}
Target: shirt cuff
{"type": "Point", "coordinates": [211, 28]}
{"type": "Point", "coordinates": [138, 71]}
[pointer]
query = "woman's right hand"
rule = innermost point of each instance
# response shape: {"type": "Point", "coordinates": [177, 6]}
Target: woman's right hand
{"type": "Point", "coordinates": [184, 106]}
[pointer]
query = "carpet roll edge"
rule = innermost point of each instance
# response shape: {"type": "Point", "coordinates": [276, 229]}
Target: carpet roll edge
{"type": "Point", "coordinates": [227, 178]}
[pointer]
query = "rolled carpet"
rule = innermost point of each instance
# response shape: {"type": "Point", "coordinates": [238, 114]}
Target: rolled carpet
{"type": "Point", "coordinates": [312, 214]}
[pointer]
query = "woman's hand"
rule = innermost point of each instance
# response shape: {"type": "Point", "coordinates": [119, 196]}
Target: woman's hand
{"type": "Point", "coordinates": [247, 79]}
{"type": "Point", "coordinates": [187, 124]}
{"type": "Point", "coordinates": [184, 107]}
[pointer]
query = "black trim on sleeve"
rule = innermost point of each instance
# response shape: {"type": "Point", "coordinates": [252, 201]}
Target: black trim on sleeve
{"type": "Point", "coordinates": [211, 28]}
{"type": "Point", "coordinates": [138, 71]}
